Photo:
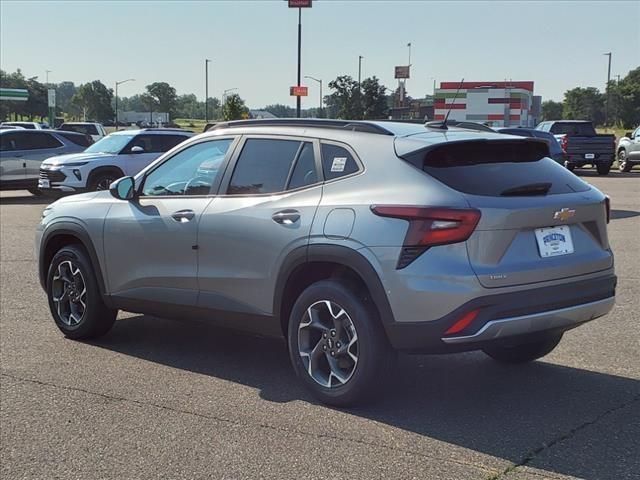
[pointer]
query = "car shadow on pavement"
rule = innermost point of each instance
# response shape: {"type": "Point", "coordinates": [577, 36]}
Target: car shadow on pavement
{"type": "Point", "coordinates": [26, 199]}
{"type": "Point", "coordinates": [509, 412]}
{"type": "Point", "coordinates": [620, 214]}
{"type": "Point", "coordinates": [613, 173]}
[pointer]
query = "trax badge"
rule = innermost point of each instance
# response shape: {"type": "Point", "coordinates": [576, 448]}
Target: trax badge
{"type": "Point", "coordinates": [564, 214]}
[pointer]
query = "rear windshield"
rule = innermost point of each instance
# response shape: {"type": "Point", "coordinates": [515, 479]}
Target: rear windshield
{"type": "Point", "coordinates": [573, 129]}
{"type": "Point", "coordinates": [78, 139]}
{"type": "Point", "coordinates": [86, 129]}
{"type": "Point", "coordinates": [497, 168]}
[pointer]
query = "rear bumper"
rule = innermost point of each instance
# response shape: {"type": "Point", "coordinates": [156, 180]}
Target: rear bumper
{"type": "Point", "coordinates": [579, 158]}
{"type": "Point", "coordinates": [509, 318]}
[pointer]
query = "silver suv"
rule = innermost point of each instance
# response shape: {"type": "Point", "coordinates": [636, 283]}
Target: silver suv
{"type": "Point", "coordinates": [353, 240]}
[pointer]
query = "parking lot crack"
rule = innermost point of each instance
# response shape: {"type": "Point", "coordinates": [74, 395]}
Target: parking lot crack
{"type": "Point", "coordinates": [265, 426]}
{"type": "Point", "coordinates": [562, 437]}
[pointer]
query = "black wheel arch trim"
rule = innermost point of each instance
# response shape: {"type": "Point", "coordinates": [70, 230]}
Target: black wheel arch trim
{"type": "Point", "coordinates": [78, 231]}
{"type": "Point", "coordinates": [340, 255]}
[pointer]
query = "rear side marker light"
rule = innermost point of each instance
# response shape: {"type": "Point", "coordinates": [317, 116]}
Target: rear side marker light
{"type": "Point", "coordinates": [463, 323]}
{"type": "Point", "coordinates": [429, 226]}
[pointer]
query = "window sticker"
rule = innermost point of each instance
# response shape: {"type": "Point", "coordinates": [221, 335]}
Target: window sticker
{"type": "Point", "coordinates": [338, 164]}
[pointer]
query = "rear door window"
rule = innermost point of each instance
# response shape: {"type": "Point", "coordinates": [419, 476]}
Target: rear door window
{"type": "Point", "coordinates": [263, 166]}
{"type": "Point", "coordinates": [497, 168]}
{"type": "Point", "coordinates": [35, 141]}
{"type": "Point", "coordinates": [170, 141]}
{"type": "Point", "coordinates": [337, 161]}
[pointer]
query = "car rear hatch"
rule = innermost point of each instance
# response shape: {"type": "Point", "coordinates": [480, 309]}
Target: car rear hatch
{"type": "Point", "coordinates": [538, 222]}
{"type": "Point", "coordinates": [591, 148]}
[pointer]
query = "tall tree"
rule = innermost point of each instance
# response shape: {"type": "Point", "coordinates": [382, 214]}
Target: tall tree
{"type": "Point", "coordinates": [64, 93]}
{"type": "Point", "coordinates": [165, 96]}
{"type": "Point", "coordinates": [280, 110]}
{"type": "Point", "coordinates": [625, 100]}
{"type": "Point", "coordinates": [374, 99]}
{"type": "Point", "coordinates": [234, 108]}
{"type": "Point", "coordinates": [343, 102]}
{"type": "Point", "coordinates": [93, 100]}
{"type": "Point", "coordinates": [584, 104]}
{"type": "Point", "coordinates": [551, 110]}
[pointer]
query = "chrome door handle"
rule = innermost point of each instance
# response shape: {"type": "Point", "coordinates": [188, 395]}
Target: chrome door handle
{"type": "Point", "coordinates": [183, 216]}
{"type": "Point", "coordinates": [286, 217]}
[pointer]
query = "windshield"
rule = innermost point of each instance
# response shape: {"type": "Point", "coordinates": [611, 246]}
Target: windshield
{"type": "Point", "coordinates": [111, 144]}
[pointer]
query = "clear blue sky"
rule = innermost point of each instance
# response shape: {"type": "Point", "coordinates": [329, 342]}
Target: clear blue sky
{"type": "Point", "coordinates": [558, 45]}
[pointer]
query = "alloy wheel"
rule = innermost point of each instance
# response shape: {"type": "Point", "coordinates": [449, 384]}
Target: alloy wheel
{"type": "Point", "coordinates": [104, 183]}
{"type": "Point", "coordinates": [328, 344]}
{"type": "Point", "coordinates": [69, 293]}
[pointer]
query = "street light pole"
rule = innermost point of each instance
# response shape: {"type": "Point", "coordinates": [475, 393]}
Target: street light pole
{"type": "Point", "coordinates": [119, 83]}
{"type": "Point", "coordinates": [606, 107]}
{"type": "Point", "coordinates": [206, 89]}
{"type": "Point", "coordinates": [319, 80]}
{"type": "Point", "coordinates": [360, 57]}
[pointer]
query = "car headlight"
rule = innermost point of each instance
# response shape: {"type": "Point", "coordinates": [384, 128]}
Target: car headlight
{"type": "Point", "coordinates": [60, 166]}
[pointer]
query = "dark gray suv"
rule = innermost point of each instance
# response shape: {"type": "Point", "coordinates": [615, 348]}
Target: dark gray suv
{"type": "Point", "coordinates": [353, 240]}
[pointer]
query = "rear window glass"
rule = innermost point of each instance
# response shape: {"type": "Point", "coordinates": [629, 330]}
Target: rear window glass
{"type": "Point", "coordinates": [87, 129]}
{"type": "Point", "coordinates": [497, 168]}
{"type": "Point", "coordinates": [573, 129]}
{"type": "Point", "coordinates": [82, 140]}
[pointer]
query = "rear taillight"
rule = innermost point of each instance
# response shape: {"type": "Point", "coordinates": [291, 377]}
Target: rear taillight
{"type": "Point", "coordinates": [429, 226]}
{"type": "Point", "coordinates": [564, 143]}
{"type": "Point", "coordinates": [607, 206]}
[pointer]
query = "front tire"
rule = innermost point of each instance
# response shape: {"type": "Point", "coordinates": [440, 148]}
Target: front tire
{"type": "Point", "coordinates": [527, 352]}
{"type": "Point", "coordinates": [102, 180]}
{"type": "Point", "coordinates": [75, 300]}
{"type": "Point", "coordinates": [337, 345]}
{"type": "Point", "coordinates": [603, 168]}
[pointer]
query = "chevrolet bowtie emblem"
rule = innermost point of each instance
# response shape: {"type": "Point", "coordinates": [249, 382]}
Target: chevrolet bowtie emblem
{"type": "Point", "coordinates": [564, 214]}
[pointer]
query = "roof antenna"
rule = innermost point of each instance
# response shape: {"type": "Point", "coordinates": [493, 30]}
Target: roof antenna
{"type": "Point", "coordinates": [444, 123]}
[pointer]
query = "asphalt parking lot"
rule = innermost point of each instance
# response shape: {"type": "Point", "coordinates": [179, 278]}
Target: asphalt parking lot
{"type": "Point", "coordinates": [166, 399]}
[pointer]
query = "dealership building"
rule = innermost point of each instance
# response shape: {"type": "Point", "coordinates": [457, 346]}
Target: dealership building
{"type": "Point", "coordinates": [497, 104]}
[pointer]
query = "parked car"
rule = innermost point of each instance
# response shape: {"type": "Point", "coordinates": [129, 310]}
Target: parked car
{"type": "Point", "coordinates": [96, 130]}
{"type": "Point", "coordinates": [22, 151]}
{"type": "Point", "coordinates": [583, 146]}
{"type": "Point", "coordinates": [116, 155]}
{"type": "Point", "coordinates": [628, 150]}
{"type": "Point", "coordinates": [11, 127]}
{"type": "Point", "coordinates": [27, 125]}
{"type": "Point", "coordinates": [352, 239]}
{"type": "Point", "coordinates": [555, 150]}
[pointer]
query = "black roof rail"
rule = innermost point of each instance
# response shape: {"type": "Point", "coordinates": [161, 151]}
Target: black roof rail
{"type": "Point", "coordinates": [156, 129]}
{"type": "Point", "coordinates": [353, 125]}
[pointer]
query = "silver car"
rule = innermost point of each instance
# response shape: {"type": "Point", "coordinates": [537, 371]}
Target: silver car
{"type": "Point", "coordinates": [353, 240]}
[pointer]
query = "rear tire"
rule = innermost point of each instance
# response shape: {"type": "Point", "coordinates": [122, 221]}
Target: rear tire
{"type": "Point", "coordinates": [603, 168]}
{"type": "Point", "coordinates": [623, 164]}
{"type": "Point", "coordinates": [330, 317]}
{"type": "Point", "coordinates": [524, 353]}
{"type": "Point", "coordinates": [74, 297]}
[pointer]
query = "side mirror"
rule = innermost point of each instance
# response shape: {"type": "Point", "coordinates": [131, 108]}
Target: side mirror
{"type": "Point", "coordinates": [123, 188]}
{"type": "Point", "coordinates": [137, 149]}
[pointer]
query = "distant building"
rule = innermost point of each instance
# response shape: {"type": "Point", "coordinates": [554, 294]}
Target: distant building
{"type": "Point", "coordinates": [134, 117]}
{"type": "Point", "coordinates": [497, 104]}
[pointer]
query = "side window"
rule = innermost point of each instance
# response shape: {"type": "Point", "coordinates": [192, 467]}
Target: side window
{"type": "Point", "coordinates": [637, 134]}
{"type": "Point", "coordinates": [337, 162]}
{"type": "Point", "coordinates": [263, 166]}
{"type": "Point", "coordinates": [170, 141]}
{"type": "Point", "coordinates": [149, 143]}
{"type": "Point", "coordinates": [304, 173]}
{"type": "Point", "coordinates": [8, 142]}
{"type": "Point", "coordinates": [191, 171]}
{"type": "Point", "coordinates": [36, 141]}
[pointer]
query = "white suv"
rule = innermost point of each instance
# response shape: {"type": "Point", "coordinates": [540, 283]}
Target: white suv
{"type": "Point", "coordinates": [117, 155]}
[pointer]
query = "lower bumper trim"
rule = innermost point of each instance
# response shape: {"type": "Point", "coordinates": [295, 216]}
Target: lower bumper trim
{"type": "Point", "coordinates": [563, 318]}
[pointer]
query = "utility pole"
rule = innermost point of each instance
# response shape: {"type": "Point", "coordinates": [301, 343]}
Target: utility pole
{"type": "Point", "coordinates": [360, 57]}
{"type": "Point", "coordinates": [118, 83]}
{"type": "Point", "coordinates": [606, 107]}
{"type": "Point", "coordinates": [298, 98]}
{"type": "Point", "coordinates": [206, 89]}
{"type": "Point", "coordinates": [47, 72]}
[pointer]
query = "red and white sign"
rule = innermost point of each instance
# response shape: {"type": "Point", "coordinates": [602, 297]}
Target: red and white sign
{"type": "Point", "coordinates": [298, 91]}
{"type": "Point", "coordinates": [299, 3]}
